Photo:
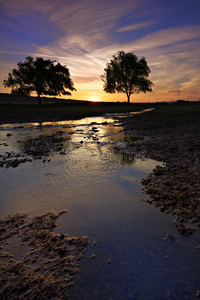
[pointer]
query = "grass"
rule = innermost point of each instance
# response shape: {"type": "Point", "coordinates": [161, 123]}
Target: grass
{"type": "Point", "coordinates": [18, 113]}
{"type": "Point", "coordinates": [189, 111]}
{"type": "Point", "coordinates": [46, 112]}
{"type": "Point", "coordinates": [178, 108]}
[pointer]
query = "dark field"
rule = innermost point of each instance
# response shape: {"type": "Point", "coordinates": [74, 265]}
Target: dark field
{"type": "Point", "coordinates": [15, 109]}
{"type": "Point", "coordinates": [19, 113]}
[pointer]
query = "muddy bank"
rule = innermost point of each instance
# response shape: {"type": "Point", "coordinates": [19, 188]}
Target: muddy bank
{"type": "Point", "coordinates": [172, 137]}
{"type": "Point", "coordinates": [34, 148]}
{"type": "Point", "coordinates": [36, 263]}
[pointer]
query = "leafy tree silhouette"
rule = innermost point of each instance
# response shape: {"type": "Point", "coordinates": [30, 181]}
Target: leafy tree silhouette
{"type": "Point", "coordinates": [45, 77]}
{"type": "Point", "coordinates": [126, 74]}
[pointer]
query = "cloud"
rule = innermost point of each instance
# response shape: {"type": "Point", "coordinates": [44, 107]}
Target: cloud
{"type": "Point", "coordinates": [176, 92]}
{"type": "Point", "coordinates": [17, 52]}
{"type": "Point", "coordinates": [170, 54]}
{"type": "Point", "coordinates": [166, 37]}
{"type": "Point", "coordinates": [85, 40]}
{"type": "Point", "coordinates": [136, 26]}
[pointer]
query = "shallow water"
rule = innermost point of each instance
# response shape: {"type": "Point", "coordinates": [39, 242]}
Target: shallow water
{"type": "Point", "coordinates": [98, 182]}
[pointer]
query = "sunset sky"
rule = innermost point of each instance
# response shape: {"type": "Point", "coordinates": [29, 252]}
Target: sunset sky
{"type": "Point", "coordinates": [85, 34]}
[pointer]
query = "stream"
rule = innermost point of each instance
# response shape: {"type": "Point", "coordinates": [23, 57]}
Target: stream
{"type": "Point", "coordinates": [97, 180]}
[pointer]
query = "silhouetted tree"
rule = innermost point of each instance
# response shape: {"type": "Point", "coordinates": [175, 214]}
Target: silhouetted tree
{"type": "Point", "coordinates": [126, 74]}
{"type": "Point", "coordinates": [45, 77]}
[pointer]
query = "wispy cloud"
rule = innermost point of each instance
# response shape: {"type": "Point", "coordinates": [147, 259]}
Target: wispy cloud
{"type": "Point", "coordinates": [85, 42]}
{"type": "Point", "coordinates": [167, 37]}
{"type": "Point", "coordinates": [136, 26]}
{"type": "Point", "coordinates": [176, 92]}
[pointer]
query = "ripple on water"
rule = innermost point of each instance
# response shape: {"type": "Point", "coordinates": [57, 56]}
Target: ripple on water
{"type": "Point", "coordinates": [98, 181]}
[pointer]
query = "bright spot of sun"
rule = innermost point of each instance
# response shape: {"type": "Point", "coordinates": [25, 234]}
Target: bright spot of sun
{"type": "Point", "coordinates": [94, 99]}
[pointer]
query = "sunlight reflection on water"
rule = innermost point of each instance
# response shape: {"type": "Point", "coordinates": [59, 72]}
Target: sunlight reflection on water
{"type": "Point", "coordinates": [99, 184]}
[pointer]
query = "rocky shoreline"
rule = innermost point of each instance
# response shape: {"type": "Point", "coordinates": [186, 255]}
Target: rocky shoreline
{"type": "Point", "coordinates": [175, 140]}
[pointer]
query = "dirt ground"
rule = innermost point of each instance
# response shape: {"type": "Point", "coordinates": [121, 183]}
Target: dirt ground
{"type": "Point", "coordinates": [172, 136]}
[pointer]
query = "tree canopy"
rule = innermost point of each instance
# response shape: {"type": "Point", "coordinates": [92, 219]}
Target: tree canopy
{"type": "Point", "coordinates": [126, 74]}
{"type": "Point", "coordinates": [45, 77]}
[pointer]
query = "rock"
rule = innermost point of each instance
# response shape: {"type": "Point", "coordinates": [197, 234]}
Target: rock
{"type": "Point", "coordinates": [62, 152]}
{"type": "Point", "coordinates": [197, 248]}
{"type": "Point", "coordinates": [93, 244]}
{"type": "Point", "coordinates": [162, 208]}
{"type": "Point", "coordinates": [170, 236]}
{"type": "Point", "coordinates": [62, 249]}
{"type": "Point", "coordinates": [54, 238]}
{"type": "Point", "coordinates": [184, 230]}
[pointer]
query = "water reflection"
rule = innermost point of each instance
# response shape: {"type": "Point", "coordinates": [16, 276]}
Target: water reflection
{"type": "Point", "coordinates": [50, 138]}
{"type": "Point", "coordinates": [70, 154]}
{"type": "Point", "coordinates": [98, 181]}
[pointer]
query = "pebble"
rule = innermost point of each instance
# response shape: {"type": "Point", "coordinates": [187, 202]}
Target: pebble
{"type": "Point", "coordinates": [170, 236]}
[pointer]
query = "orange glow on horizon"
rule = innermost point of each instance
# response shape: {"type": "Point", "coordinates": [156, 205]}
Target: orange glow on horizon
{"type": "Point", "coordinates": [94, 99]}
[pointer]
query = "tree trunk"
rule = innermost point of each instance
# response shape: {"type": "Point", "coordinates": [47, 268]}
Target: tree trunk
{"type": "Point", "coordinates": [39, 100]}
{"type": "Point", "coordinates": [128, 98]}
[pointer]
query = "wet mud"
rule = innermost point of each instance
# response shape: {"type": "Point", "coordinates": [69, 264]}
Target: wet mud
{"type": "Point", "coordinates": [34, 148]}
{"type": "Point", "coordinates": [41, 264]}
{"type": "Point", "coordinates": [175, 140]}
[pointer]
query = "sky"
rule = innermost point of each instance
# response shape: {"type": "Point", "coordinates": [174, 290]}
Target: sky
{"type": "Point", "coordinates": [85, 34]}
